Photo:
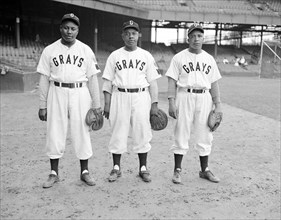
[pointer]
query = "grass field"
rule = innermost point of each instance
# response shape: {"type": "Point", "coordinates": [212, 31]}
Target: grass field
{"type": "Point", "coordinates": [257, 95]}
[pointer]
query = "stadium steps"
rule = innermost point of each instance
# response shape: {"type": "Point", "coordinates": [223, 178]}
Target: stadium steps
{"type": "Point", "coordinates": [24, 57]}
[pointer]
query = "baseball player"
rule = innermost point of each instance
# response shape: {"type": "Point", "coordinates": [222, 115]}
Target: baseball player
{"type": "Point", "coordinates": [68, 89]}
{"type": "Point", "coordinates": [193, 91]}
{"type": "Point", "coordinates": [130, 92]}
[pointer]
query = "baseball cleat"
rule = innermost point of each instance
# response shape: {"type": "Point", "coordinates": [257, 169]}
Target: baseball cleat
{"type": "Point", "coordinates": [145, 176]}
{"type": "Point", "coordinates": [52, 179]}
{"type": "Point", "coordinates": [114, 174]}
{"type": "Point", "coordinates": [208, 175]}
{"type": "Point", "coordinates": [85, 177]}
{"type": "Point", "coordinates": [177, 176]}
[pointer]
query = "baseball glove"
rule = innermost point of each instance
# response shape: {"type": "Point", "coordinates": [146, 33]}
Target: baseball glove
{"type": "Point", "coordinates": [94, 119]}
{"type": "Point", "coordinates": [158, 121]}
{"type": "Point", "coordinates": [214, 120]}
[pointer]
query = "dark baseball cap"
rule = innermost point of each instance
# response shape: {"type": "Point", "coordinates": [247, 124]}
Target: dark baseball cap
{"type": "Point", "coordinates": [194, 27]}
{"type": "Point", "coordinates": [71, 17]}
{"type": "Point", "coordinates": [131, 24]}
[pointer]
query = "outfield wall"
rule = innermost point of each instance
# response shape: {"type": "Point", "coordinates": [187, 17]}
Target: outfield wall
{"type": "Point", "coordinates": [17, 81]}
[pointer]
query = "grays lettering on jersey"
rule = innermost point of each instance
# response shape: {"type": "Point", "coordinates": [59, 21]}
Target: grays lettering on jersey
{"type": "Point", "coordinates": [69, 59]}
{"type": "Point", "coordinates": [130, 64]}
{"type": "Point", "coordinates": [199, 66]}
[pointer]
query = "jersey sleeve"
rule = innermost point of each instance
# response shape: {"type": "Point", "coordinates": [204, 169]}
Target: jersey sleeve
{"type": "Point", "coordinates": [173, 70]}
{"type": "Point", "coordinates": [152, 69]}
{"type": "Point", "coordinates": [44, 66]}
{"type": "Point", "coordinates": [92, 67]}
{"type": "Point", "coordinates": [109, 69]}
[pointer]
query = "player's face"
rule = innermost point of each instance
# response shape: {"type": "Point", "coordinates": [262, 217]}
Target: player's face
{"type": "Point", "coordinates": [130, 37]}
{"type": "Point", "coordinates": [195, 40]}
{"type": "Point", "coordinates": [69, 32]}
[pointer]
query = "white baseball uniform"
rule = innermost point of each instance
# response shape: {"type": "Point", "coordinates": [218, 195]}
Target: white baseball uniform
{"type": "Point", "coordinates": [193, 71]}
{"type": "Point", "coordinates": [129, 111]}
{"type": "Point", "coordinates": [64, 64]}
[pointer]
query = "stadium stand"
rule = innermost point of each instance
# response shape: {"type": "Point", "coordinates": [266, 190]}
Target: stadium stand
{"type": "Point", "coordinates": [19, 63]}
{"type": "Point", "coordinates": [103, 52]}
{"type": "Point", "coordinates": [230, 4]}
{"type": "Point", "coordinates": [29, 51]}
{"type": "Point", "coordinates": [255, 7]}
{"type": "Point", "coordinates": [24, 58]}
{"type": "Point", "coordinates": [157, 2]}
{"type": "Point", "coordinates": [267, 5]}
{"type": "Point", "coordinates": [161, 53]}
{"type": "Point", "coordinates": [275, 5]}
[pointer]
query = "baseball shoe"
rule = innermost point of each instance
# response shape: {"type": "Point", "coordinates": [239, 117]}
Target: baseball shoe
{"type": "Point", "coordinates": [145, 175]}
{"type": "Point", "coordinates": [52, 179]}
{"type": "Point", "coordinates": [177, 176]}
{"type": "Point", "coordinates": [114, 174]}
{"type": "Point", "coordinates": [85, 177]}
{"type": "Point", "coordinates": [208, 175]}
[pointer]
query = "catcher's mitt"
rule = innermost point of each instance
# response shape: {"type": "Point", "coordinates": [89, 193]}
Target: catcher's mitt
{"type": "Point", "coordinates": [214, 120]}
{"type": "Point", "coordinates": [94, 119]}
{"type": "Point", "coordinates": [158, 121]}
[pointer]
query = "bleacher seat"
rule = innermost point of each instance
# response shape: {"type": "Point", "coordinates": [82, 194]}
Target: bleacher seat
{"type": "Point", "coordinates": [156, 2]}
{"type": "Point", "coordinates": [271, 7]}
{"type": "Point", "coordinates": [24, 57]}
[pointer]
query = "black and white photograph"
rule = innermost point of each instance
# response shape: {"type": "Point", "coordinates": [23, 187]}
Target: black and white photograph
{"type": "Point", "coordinates": [140, 109]}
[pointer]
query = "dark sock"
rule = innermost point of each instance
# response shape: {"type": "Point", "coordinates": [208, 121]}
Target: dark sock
{"type": "Point", "coordinates": [116, 159]}
{"type": "Point", "coordinates": [142, 159]}
{"type": "Point", "coordinates": [84, 165]}
{"type": "Point", "coordinates": [203, 162]}
{"type": "Point", "coordinates": [178, 159]}
{"type": "Point", "coordinates": [55, 165]}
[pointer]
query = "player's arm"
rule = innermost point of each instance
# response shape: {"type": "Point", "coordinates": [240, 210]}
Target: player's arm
{"type": "Point", "coordinates": [153, 90]}
{"type": "Point", "coordinates": [93, 86]}
{"type": "Point", "coordinates": [215, 93]}
{"type": "Point", "coordinates": [172, 89]}
{"type": "Point", "coordinates": [107, 91]}
{"type": "Point", "coordinates": [44, 85]}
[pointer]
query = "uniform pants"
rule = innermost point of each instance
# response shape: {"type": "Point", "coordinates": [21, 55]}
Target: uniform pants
{"type": "Point", "coordinates": [194, 109]}
{"type": "Point", "coordinates": [129, 114]}
{"type": "Point", "coordinates": [68, 105]}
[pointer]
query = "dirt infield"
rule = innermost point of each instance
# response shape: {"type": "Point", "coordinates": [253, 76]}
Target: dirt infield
{"type": "Point", "coordinates": [246, 157]}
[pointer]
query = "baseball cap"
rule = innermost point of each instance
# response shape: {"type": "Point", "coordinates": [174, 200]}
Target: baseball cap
{"type": "Point", "coordinates": [131, 24]}
{"type": "Point", "coordinates": [194, 27]}
{"type": "Point", "coordinates": [71, 17]}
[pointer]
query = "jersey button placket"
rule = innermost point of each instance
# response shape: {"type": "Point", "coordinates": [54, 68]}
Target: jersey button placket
{"type": "Point", "coordinates": [194, 66]}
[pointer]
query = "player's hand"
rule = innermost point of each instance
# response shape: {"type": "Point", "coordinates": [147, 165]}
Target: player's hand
{"type": "Point", "coordinates": [173, 109]}
{"type": "Point", "coordinates": [106, 114]}
{"type": "Point", "coordinates": [42, 113]}
{"type": "Point", "coordinates": [106, 110]}
{"type": "Point", "coordinates": [154, 109]}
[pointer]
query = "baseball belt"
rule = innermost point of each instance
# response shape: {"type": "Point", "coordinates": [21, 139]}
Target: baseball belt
{"type": "Point", "coordinates": [68, 85]}
{"type": "Point", "coordinates": [131, 90]}
{"type": "Point", "coordinates": [194, 90]}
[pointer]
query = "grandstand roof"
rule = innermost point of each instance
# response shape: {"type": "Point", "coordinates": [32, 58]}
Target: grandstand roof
{"type": "Point", "coordinates": [253, 12]}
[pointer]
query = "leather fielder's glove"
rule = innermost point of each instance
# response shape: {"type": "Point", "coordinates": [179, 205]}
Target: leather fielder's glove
{"type": "Point", "coordinates": [94, 119]}
{"type": "Point", "coordinates": [214, 120]}
{"type": "Point", "coordinates": [158, 121]}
